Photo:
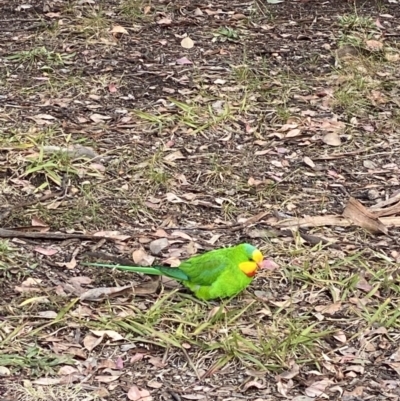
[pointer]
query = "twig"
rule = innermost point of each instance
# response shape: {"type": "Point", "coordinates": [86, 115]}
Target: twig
{"type": "Point", "coordinates": [56, 236]}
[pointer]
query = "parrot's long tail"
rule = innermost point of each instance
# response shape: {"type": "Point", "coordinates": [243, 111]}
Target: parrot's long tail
{"type": "Point", "coordinates": [175, 273]}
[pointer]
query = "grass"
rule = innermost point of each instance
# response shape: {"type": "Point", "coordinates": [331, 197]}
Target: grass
{"type": "Point", "coordinates": [137, 10]}
{"type": "Point", "coordinates": [29, 392]}
{"type": "Point", "coordinates": [46, 59]}
{"type": "Point", "coordinates": [252, 331]}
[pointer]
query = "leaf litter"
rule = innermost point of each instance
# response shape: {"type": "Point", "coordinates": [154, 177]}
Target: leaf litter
{"type": "Point", "coordinates": [142, 143]}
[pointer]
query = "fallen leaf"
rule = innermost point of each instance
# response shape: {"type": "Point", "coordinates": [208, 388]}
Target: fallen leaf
{"type": "Point", "coordinates": [47, 381]}
{"type": "Point", "coordinates": [309, 162]}
{"type": "Point", "coordinates": [98, 118]}
{"type": "Point", "coordinates": [363, 285]}
{"type": "Point", "coordinates": [187, 43]}
{"type": "Point", "coordinates": [269, 264]}
{"type": "Point", "coordinates": [141, 257]}
{"type": "Point", "coordinates": [31, 282]}
{"type": "Point", "coordinates": [158, 245]}
{"type": "Point", "coordinates": [119, 29]}
{"type": "Point", "coordinates": [49, 314]}
{"type": "Point", "coordinates": [154, 384]}
{"type": "Point", "coordinates": [293, 372]}
{"type": "Point", "coordinates": [137, 357]}
{"type": "Point", "coordinates": [66, 370]}
{"type": "Point", "coordinates": [374, 45]}
{"type": "Point", "coordinates": [183, 61]}
{"type": "Point", "coordinates": [137, 394]}
{"type": "Point", "coordinates": [91, 342]}
{"type": "Point", "coordinates": [109, 333]}
{"type": "Point", "coordinates": [112, 88]}
{"type": "Point", "coordinates": [99, 294]}
{"type": "Point", "coordinates": [317, 389]}
{"type": "Point", "coordinates": [362, 217]}
{"type": "Point", "coordinates": [4, 371]}
{"type": "Point", "coordinates": [174, 156]}
{"type": "Point", "coordinates": [332, 139]}
{"type": "Point", "coordinates": [330, 309]}
{"type": "Point", "coordinates": [164, 21]}
{"type": "Point", "coordinates": [293, 133]}
{"type": "Point", "coordinates": [340, 336]}
{"type": "Point", "coordinates": [107, 379]}
{"type": "Point", "coordinates": [156, 362]}
{"type": "Point", "coordinates": [46, 251]}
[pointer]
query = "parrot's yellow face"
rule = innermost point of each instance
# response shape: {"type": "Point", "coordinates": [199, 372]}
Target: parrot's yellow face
{"type": "Point", "coordinates": [250, 267]}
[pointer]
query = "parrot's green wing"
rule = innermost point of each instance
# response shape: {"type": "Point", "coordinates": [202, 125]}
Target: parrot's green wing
{"type": "Point", "coordinates": [205, 270]}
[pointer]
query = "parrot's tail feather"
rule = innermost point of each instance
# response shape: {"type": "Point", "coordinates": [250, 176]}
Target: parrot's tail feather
{"type": "Point", "coordinates": [155, 270]}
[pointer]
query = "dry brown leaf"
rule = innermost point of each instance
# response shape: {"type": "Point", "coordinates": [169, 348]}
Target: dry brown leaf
{"type": "Point", "coordinates": [386, 211]}
{"type": "Point", "coordinates": [309, 162]}
{"type": "Point", "coordinates": [164, 21]}
{"type": "Point", "coordinates": [355, 394]}
{"type": "Point", "coordinates": [156, 361]}
{"type": "Point", "coordinates": [91, 342]}
{"type": "Point", "coordinates": [71, 264]}
{"type": "Point", "coordinates": [37, 222]}
{"type": "Point", "coordinates": [46, 251]}
{"type": "Point", "coordinates": [364, 285]}
{"type": "Point", "coordinates": [330, 309]}
{"type": "Point", "coordinates": [362, 217]}
{"type": "Point", "coordinates": [67, 370]}
{"type": "Point", "coordinates": [374, 45]}
{"type": "Point", "coordinates": [158, 245]}
{"type": "Point", "coordinates": [141, 257]}
{"type": "Point", "coordinates": [332, 139]}
{"type": "Point", "coordinates": [107, 379]}
{"type": "Point", "coordinates": [47, 381]}
{"type": "Point", "coordinates": [4, 371]}
{"type": "Point", "coordinates": [98, 294]}
{"type": "Point", "coordinates": [181, 234]}
{"type": "Point", "coordinates": [254, 384]}
{"type": "Point", "coordinates": [112, 234]}
{"type": "Point", "coordinates": [187, 43]}
{"type": "Point", "coordinates": [109, 333]}
{"type": "Point", "coordinates": [313, 221]}
{"type": "Point", "coordinates": [392, 57]}
{"type": "Point", "coordinates": [99, 118]}
{"type": "Point", "coordinates": [340, 336]}
{"type": "Point", "coordinates": [150, 287]}
{"type": "Point", "coordinates": [31, 282]}
{"type": "Point", "coordinates": [154, 384]}
{"type": "Point", "coordinates": [119, 29]}
{"type": "Point", "coordinates": [287, 127]}
{"type": "Point", "coordinates": [290, 374]}
{"type": "Point", "coordinates": [317, 389]}
{"type": "Point", "coordinates": [284, 387]}
{"type": "Point", "coordinates": [293, 133]}
{"type": "Point", "coordinates": [49, 314]}
{"type": "Point", "coordinates": [174, 156]}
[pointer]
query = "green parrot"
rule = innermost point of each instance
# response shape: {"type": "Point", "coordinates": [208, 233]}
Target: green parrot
{"type": "Point", "coordinates": [216, 274]}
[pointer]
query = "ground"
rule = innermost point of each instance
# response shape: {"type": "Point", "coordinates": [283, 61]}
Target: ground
{"type": "Point", "coordinates": [150, 131]}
